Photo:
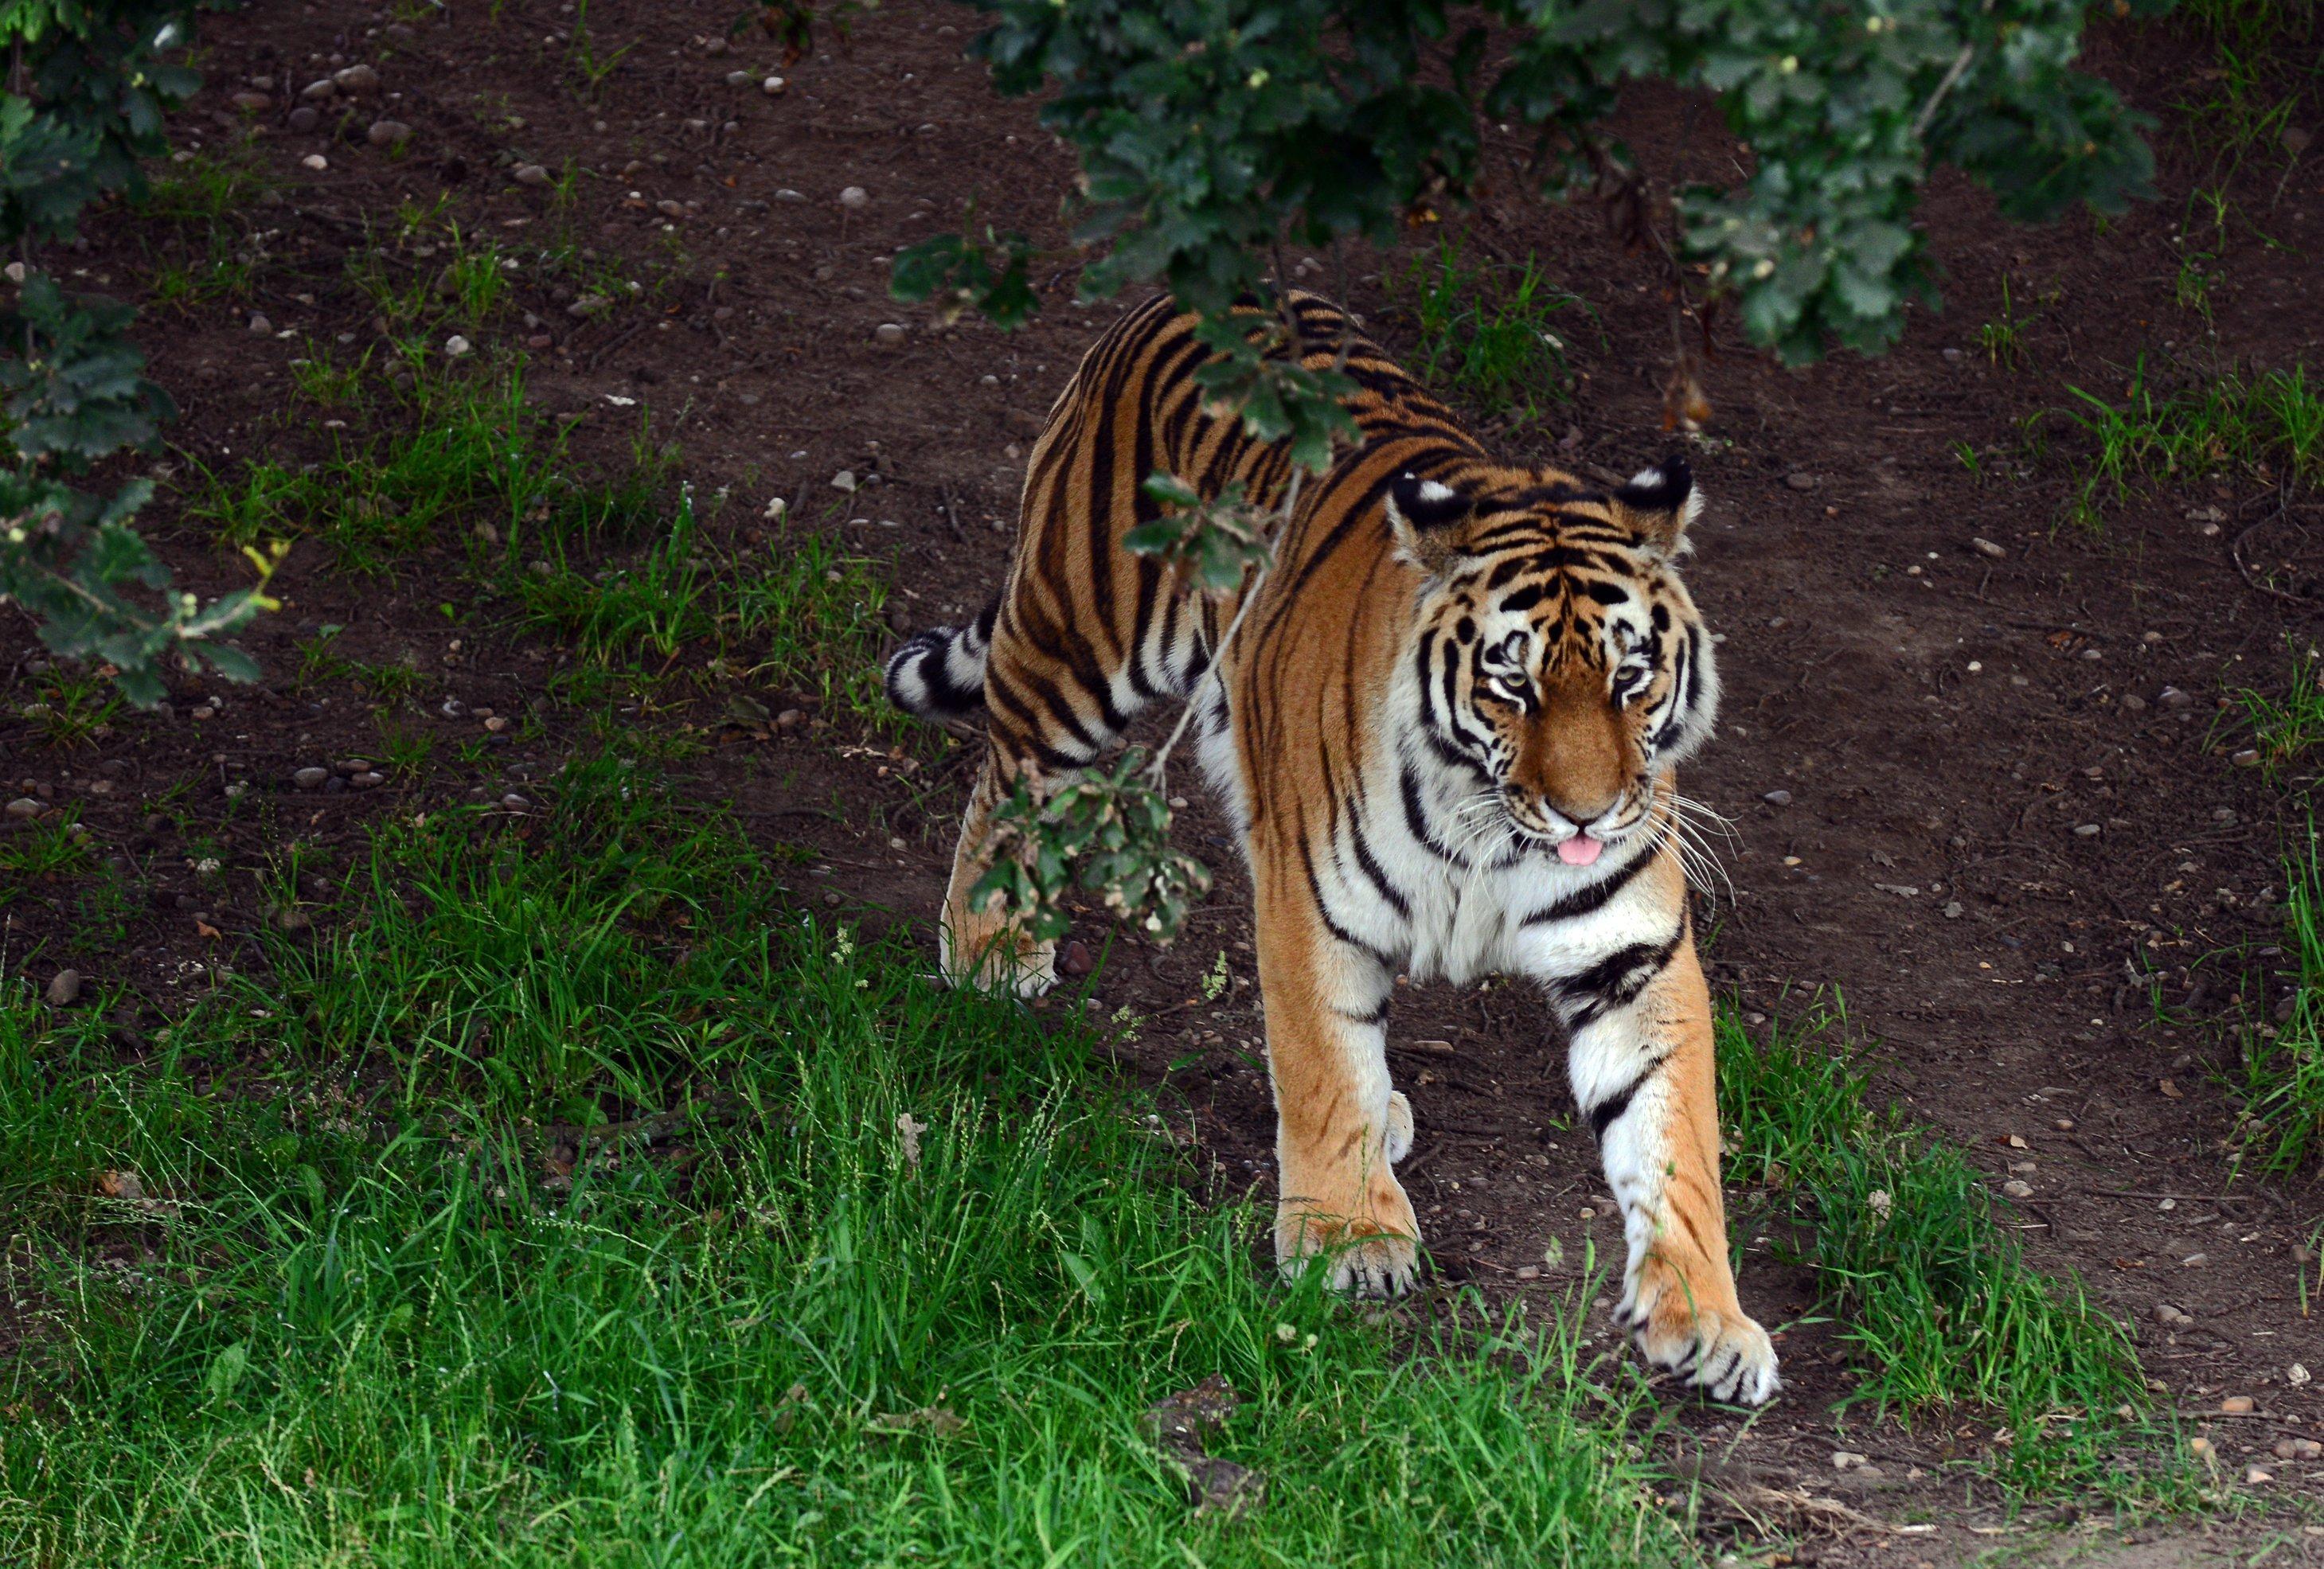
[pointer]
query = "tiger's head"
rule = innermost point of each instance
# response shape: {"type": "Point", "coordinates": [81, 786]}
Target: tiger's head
{"type": "Point", "coordinates": [1558, 653]}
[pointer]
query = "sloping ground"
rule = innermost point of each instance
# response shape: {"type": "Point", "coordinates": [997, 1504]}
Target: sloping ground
{"type": "Point", "coordinates": [1921, 726]}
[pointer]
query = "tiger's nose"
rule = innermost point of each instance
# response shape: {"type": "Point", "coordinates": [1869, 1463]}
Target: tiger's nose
{"type": "Point", "coordinates": [1580, 807]}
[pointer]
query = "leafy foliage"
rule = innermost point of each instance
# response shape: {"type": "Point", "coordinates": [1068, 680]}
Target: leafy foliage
{"type": "Point", "coordinates": [1107, 832]}
{"type": "Point", "coordinates": [84, 102]}
{"type": "Point", "coordinates": [964, 275]}
{"type": "Point", "coordinates": [1220, 542]}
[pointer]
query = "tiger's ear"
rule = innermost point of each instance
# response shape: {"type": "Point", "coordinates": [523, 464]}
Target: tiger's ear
{"type": "Point", "coordinates": [1658, 503]}
{"type": "Point", "coordinates": [1425, 517]}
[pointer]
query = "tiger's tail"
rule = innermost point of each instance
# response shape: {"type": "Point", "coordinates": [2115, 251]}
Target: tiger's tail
{"type": "Point", "coordinates": [940, 672]}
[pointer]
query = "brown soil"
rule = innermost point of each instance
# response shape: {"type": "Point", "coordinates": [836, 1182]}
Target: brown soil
{"type": "Point", "coordinates": [1942, 719]}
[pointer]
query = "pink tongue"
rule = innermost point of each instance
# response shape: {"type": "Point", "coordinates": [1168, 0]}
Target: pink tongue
{"type": "Point", "coordinates": [1580, 851]}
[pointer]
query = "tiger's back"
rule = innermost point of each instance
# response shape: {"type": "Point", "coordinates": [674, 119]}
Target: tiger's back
{"type": "Point", "coordinates": [1447, 728]}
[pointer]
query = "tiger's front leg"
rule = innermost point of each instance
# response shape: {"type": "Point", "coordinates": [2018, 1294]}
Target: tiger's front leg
{"type": "Point", "coordinates": [1643, 1072]}
{"type": "Point", "coordinates": [1340, 1128]}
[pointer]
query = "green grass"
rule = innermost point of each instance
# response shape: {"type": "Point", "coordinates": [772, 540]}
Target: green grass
{"type": "Point", "coordinates": [2284, 725]}
{"type": "Point", "coordinates": [1918, 1266]}
{"type": "Point", "coordinates": [74, 707]}
{"type": "Point", "coordinates": [2279, 1074]}
{"type": "Point", "coordinates": [2265, 427]}
{"type": "Point", "coordinates": [377, 1295]}
{"type": "Point", "coordinates": [1484, 332]}
{"type": "Point", "coordinates": [2003, 338]}
{"type": "Point", "coordinates": [802, 616]}
{"type": "Point", "coordinates": [457, 449]}
{"type": "Point", "coordinates": [2280, 1078]}
{"type": "Point", "coordinates": [2267, 56]}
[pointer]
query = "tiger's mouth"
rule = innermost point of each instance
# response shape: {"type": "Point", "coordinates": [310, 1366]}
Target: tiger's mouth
{"type": "Point", "coordinates": [1576, 843]}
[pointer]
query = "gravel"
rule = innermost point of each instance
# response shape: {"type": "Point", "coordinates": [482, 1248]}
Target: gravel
{"type": "Point", "coordinates": [1777, 797]}
{"type": "Point", "coordinates": [304, 119]}
{"type": "Point", "coordinates": [855, 199]}
{"type": "Point", "coordinates": [64, 989]}
{"type": "Point", "coordinates": [388, 133]}
{"type": "Point", "coordinates": [531, 174]}
{"type": "Point", "coordinates": [311, 778]}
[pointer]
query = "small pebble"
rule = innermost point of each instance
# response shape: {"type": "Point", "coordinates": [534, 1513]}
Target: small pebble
{"type": "Point", "coordinates": [2296, 1375]}
{"type": "Point", "coordinates": [2132, 703]}
{"type": "Point", "coordinates": [316, 92]}
{"type": "Point", "coordinates": [456, 345]}
{"type": "Point", "coordinates": [2173, 699]}
{"type": "Point", "coordinates": [311, 778]}
{"type": "Point", "coordinates": [887, 335]}
{"type": "Point", "coordinates": [388, 133]}
{"type": "Point", "coordinates": [2297, 1449]}
{"type": "Point", "coordinates": [2086, 830]}
{"type": "Point", "coordinates": [1074, 959]}
{"type": "Point", "coordinates": [855, 199]}
{"type": "Point", "coordinates": [2236, 1406]}
{"type": "Point", "coordinates": [260, 327]}
{"type": "Point", "coordinates": [2254, 1477]}
{"type": "Point", "coordinates": [367, 780]}
{"type": "Point", "coordinates": [790, 719]}
{"type": "Point", "coordinates": [773, 87]}
{"type": "Point", "coordinates": [738, 78]}
{"type": "Point", "coordinates": [356, 79]}
{"type": "Point", "coordinates": [256, 103]}
{"type": "Point", "coordinates": [1984, 547]}
{"type": "Point", "coordinates": [497, 723]}
{"type": "Point", "coordinates": [832, 899]}
{"type": "Point", "coordinates": [64, 989]}
{"type": "Point", "coordinates": [2017, 1188]}
{"type": "Point", "coordinates": [24, 807]}
{"type": "Point", "coordinates": [2247, 758]}
{"type": "Point", "coordinates": [1847, 1460]}
{"type": "Point", "coordinates": [304, 119]}
{"type": "Point", "coordinates": [1800, 481]}
{"type": "Point", "coordinates": [1528, 1272]}
{"type": "Point", "coordinates": [531, 174]}
{"type": "Point", "coordinates": [1777, 797]}
{"type": "Point", "coordinates": [514, 802]}
{"type": "Point", "coordinates": [315, 162]}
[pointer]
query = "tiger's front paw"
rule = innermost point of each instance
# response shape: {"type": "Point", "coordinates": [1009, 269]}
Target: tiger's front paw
{"type": "Point", "coordinates": [1366, 1257]}
{"type": "Point", "coordinates": [1723, 1352]}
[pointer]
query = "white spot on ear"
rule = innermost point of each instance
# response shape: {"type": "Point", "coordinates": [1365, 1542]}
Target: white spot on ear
{"type": "Point", "coordinates": [1647, 479]}
{"type": "Point", "coordinates": [1433, 491]}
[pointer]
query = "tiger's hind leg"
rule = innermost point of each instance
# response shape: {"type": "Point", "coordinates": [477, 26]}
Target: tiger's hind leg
{"type": "Point", "coordinates": [978, 944]}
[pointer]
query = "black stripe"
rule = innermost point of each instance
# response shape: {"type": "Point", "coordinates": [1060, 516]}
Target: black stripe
{"type": "Point", "coordinates": [1324, 910]}
{"type": "Point", "coordinates": [1583, 900]}
{"type": "Point", "coordinates": [1610, 1111]}
{"type": "Point", "coordinates": [1613, 982]}
{"type": "Point", "coordinates": [1375, 872]}
{"type": "Point", "coordinates": [1415, 819]}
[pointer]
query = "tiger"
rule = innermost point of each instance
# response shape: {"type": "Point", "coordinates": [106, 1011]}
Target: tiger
{"type": "Point", "coordinates": [1447, 731]}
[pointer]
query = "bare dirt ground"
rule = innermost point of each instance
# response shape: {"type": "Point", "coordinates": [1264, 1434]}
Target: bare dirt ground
{"type": "Point", "coordinates": [1979, 790]}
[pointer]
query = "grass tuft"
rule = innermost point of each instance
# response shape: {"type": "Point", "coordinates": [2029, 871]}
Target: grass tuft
{"type": "Point", "coordinates": [1484, 332]}
{"type": "Point", "coordinates": [1932, 1288]}
{"type": "Point", "coordinates": [2266, 426]}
